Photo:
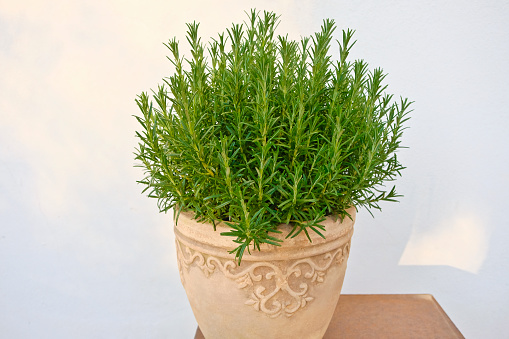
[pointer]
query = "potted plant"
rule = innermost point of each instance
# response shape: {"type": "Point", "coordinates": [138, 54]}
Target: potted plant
{"type": "Point", "coordinates": [264, 148]}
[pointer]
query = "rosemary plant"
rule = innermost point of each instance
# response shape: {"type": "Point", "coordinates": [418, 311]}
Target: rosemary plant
{"type": "Point", "coordinates": [263, 130]}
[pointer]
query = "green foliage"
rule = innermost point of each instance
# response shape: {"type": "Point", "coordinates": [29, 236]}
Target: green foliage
{"type": "Point", "coordinates": [269, 131]}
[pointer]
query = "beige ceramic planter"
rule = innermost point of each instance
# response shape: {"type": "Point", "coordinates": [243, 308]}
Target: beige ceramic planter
{"type": "Point", "coordinates": [280, 292]}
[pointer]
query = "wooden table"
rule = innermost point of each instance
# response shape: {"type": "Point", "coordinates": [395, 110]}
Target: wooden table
{"type": "Point", "coordinates": [380, 316]}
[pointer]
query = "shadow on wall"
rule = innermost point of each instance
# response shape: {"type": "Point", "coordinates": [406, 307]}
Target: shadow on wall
{"type": "Point", "coordinates": [461, 242]}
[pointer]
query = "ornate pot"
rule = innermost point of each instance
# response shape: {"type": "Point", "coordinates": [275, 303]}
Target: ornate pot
{"type": "Point", "coordinates": [289, 291]}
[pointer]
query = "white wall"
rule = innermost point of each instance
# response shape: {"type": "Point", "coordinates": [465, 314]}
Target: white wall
{"type": "Point", "coordinates": [84, 255]}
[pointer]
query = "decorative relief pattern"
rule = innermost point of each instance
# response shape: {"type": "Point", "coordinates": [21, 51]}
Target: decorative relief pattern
{"type": "Point", "coordinates": [275, 290]}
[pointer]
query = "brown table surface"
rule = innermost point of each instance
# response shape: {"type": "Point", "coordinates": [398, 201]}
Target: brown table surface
{"type": "Point", "coordinates": [391, 316]}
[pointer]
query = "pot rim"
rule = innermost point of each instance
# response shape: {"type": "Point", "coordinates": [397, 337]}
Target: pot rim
{"type": "Point", "coordinates": [202, 237]}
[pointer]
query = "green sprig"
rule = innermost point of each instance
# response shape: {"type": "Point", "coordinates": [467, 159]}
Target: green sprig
{"type": "Point", "coordinates": [269, 131]}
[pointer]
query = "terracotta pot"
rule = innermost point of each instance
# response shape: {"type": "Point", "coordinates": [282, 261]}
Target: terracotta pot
{"type": "Point", "coordinates": [280, 292]}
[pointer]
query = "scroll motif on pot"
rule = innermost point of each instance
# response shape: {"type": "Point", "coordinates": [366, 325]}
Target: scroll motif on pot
{"type": "Point", "coordinates": [274, 290]}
